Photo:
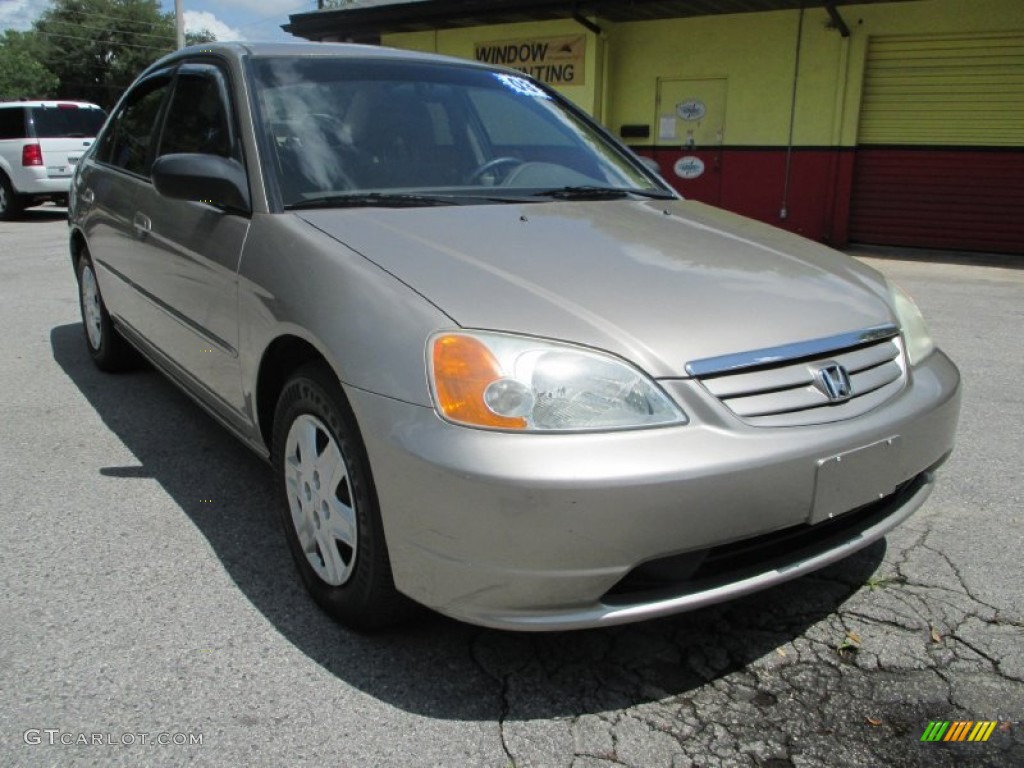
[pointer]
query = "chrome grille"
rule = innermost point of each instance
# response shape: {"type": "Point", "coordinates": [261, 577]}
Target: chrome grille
{"type": "Point", "coordinates": [780, 387]}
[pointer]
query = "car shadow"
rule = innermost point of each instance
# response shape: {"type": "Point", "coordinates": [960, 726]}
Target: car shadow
{"type": "Point", "coordinates": [432, 666]}
{"type": "Point", "coordinates": [42, 213]}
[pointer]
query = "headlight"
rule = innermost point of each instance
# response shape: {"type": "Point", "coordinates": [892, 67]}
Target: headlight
{"type": "Point", "coordinates": [915, 330]}
{"type": "Point", "coordinates": [499, 381]}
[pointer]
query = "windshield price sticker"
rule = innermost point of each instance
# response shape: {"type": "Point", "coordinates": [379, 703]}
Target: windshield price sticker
{"type": "Point", "coordinates": [521, 85]}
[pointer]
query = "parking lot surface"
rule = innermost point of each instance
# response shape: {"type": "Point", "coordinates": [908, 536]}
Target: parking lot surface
{"type": "Point", "coordinates": [150, 615]}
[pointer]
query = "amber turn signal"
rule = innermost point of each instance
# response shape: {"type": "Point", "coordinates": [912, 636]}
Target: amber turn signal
{"type": "Point", "coordinates": [463, 368]}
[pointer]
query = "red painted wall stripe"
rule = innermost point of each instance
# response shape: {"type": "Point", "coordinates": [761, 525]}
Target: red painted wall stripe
{"type": "Point", "coordinates": [939, 198]}
{"type": "Point", "coordinates": [750, 181]}
{"type": "Point", "coordinates": [966, 199]}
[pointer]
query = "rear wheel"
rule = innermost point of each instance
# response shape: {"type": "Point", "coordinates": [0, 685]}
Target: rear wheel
{"type": "Point", "coordinates": [328, 504]}
{"type": "Point", "coordinates": [10, 205]}
{"type": "Point", "coordinates": [109, 351]}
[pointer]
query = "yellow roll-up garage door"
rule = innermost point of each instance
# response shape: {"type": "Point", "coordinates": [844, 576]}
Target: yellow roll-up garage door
{"type": "Point", "coordinates": [940, 156]}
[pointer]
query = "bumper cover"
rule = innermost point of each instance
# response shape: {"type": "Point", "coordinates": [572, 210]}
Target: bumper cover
{"type": "Point", "coordinates": [534, 532]}
{"type": "Point", "coordinates": [36, 182]}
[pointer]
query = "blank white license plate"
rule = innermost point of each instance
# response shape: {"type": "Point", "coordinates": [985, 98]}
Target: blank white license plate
{"type": "Point", "coordinates": [855, 478]}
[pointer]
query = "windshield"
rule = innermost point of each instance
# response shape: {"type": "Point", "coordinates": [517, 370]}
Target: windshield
{"type": "Point", "coordinates": [66, 121]}
{"type": "Point", "coordinates": [341, 128]}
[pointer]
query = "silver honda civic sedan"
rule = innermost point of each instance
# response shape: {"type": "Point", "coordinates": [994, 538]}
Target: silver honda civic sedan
{"type": "Point", "coordinates": [498, 366]}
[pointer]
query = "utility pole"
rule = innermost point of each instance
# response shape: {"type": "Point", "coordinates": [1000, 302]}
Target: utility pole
{"type": "Point", "coordinates": [179, 23]}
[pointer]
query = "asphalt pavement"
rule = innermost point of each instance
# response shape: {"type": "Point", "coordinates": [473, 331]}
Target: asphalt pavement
{"type": "Point", "coordinates": [150, 615]}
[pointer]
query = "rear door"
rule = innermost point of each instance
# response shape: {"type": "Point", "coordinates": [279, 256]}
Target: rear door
{"type": "Point", "coordinates": [113, 183]}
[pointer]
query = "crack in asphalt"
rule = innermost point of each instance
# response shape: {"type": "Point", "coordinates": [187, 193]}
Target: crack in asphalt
{"type": "Point", "coordinates": [959, 576]}
{"type": "Point", "coordinates": [992, 660]}
{"type": "Point", "coordinates": [840, 668]}
{"type": "Point", "coordinates": [704, 697]}
{"type": "Point", "coordinates": [503, 681]}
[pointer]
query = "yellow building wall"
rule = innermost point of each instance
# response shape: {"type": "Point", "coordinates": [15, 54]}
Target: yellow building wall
{"type": "Point", "coordinates": [757, 54]}
{"type": "Point", "coordinates": [753, 52]}
{"type": "Point", "coordinates": [925, 17]}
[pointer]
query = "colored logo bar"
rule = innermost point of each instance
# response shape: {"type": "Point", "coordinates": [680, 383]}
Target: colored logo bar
{"type": "Point", "coordinates": [958, 730]}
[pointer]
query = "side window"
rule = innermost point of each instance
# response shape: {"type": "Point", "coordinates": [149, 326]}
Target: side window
{"type": "Point", "coordinates": [127, 139]}
{"type": "Point", "coordinates": [197, 118]}
{"type": "Point", "coordinates": [12, 123]}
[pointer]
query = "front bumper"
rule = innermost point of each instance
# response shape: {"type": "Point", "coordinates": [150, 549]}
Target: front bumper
{"type": "Point", "coordinates": [526, 531]}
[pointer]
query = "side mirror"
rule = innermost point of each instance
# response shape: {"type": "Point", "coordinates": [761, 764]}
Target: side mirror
{"type": "Point", "coordinates": [202, 178]}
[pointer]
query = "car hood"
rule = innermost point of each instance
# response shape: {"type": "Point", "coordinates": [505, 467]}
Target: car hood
{"type": "Point", "coordinates": [661, 283]}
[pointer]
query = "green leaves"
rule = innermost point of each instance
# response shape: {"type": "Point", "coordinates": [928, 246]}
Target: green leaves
{"type": "Point", "coordinates": [87, 50]}
{"type": "Point", "coordinates": [22, 75]}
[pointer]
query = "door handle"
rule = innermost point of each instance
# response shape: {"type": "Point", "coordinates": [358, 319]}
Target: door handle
{"type": "Point", "coordinates": [142, 224]}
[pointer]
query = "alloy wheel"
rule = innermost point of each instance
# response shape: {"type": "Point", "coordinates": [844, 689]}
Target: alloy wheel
{"type": "Point", "coordinates": [91, 308]}
{"type": "Point", "coordinates": [320, 499]}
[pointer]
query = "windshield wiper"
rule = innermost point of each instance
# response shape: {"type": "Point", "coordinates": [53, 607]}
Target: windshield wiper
{"type": "Point", "coordinates": [602, 193]}
{"type": "Point", "coordinates": [372, 199]}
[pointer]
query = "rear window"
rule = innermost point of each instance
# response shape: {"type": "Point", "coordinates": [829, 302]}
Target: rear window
{"type": "Point", "coordinates": [12, 123]}
{"type": "Point", "coordinates": [66, 121]}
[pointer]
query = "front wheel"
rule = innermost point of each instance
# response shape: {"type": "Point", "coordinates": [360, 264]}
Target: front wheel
{"type": "Point", "coordinates": [328, 504]}
{"type": "Point", "coordinates": [108, 349]}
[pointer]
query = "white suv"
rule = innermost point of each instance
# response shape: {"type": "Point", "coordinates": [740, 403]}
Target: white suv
{"type": "Point", "coordinates": [40, 142]}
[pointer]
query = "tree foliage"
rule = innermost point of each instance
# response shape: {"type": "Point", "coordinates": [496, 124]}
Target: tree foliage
{"type": "Point", "coordinates": [95, 48]}
{"type": "Point", "coordinates": [22, 75]}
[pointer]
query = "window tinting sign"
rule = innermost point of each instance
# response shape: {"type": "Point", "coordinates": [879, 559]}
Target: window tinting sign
{"type": "Point", "coordinates": [552, 60]}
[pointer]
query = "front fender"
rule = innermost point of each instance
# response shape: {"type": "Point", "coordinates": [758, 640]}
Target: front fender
{"type": "Point", "coordinates": [369, 326]}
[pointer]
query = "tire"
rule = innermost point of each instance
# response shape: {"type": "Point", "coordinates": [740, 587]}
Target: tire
{"type": "Point", "coordinates": [328, 504]}
{"type": "Point", "coordinates": [107, 348]}
{"type": "Point", "coordinates": [10, 203]}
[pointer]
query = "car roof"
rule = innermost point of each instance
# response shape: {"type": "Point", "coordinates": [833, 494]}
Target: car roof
{"type": "Point", "coordinates": [307, 49]}
{"type": "Point", "coordinates": [44, 103]}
